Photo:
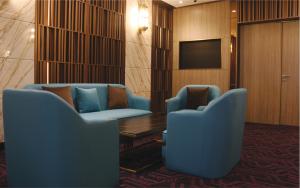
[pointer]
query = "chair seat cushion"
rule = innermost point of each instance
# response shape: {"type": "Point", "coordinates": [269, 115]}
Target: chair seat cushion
{"type": "Point", "coordinates": [164, 135]}
{"type": "Point", "coordinates": [114, 114]}
{"type": "Point", "coordinates": [201, 108]}
{"type": "Point", "coordinates": [187, 110]}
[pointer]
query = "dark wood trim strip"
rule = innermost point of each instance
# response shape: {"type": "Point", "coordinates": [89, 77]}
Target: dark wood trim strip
{"type": "Point", "coordinates": [266, 124]}
{"type": "Point", "coordinates": [161, 55]}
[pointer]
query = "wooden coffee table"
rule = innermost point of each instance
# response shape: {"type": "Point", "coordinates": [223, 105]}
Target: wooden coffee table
{"type": "Point", "coordinates": [146, 130]}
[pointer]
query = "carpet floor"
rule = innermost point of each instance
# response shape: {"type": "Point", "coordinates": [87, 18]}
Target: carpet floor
{"type": "Point", "coordinates": [270, 158]}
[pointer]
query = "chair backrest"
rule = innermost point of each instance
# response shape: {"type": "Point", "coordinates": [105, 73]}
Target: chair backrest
{"type": "Point", "coordinates": [213, 92]}
{"type": "Point", "coordinates": [228, 113]}
{"type": "Point", "coordinates": [101, 88]}
{"type": "Point", "coordinates": [232, 103]}
{"type": "Point", "coordinates": [36, 133]}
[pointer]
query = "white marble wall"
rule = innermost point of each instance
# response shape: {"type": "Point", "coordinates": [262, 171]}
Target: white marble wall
{"type": "Point", "coordinates": [16, 46]}
{"type": "Point", "coordinates": [138, 50]}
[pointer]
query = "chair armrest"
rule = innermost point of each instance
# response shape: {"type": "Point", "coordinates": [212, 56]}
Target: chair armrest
{"type": "Point", "coordinates": [47, 124]}
{"type": "Point", "coordinates": [187, 139]}
{"type": "Point", "coordinates": [180, 118]}
{"type": "Point", "coordinates": [139, 102]}
{"type": "Point", "coordinates": [173, 104]}
{"type": "Point", "coordinates": [100, 146]}
{"type": "Point", "coordinates": [199, 140]}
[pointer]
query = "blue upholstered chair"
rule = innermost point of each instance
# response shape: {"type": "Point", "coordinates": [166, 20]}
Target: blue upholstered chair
{"type": "Point", "coordinates": [179, 101]}
{"type": "Point", "coordinates": [48, 143]}
{"type": "Point", "coordinates": [207, 143]}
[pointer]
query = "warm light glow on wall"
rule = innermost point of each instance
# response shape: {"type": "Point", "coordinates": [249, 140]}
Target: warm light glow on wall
{"type": "Point", "coordinates": [14, 3]}
{"type": "Point", "coordinates": [139, 17]}
{"type": "Point", "coordinates": [133, 17]}
{"type": "Point", "coordinates": [143, 17]}
{"type": "Point", "coordinates": [31, 31]}
{"type": "Point", "coordinates": [47, 73]}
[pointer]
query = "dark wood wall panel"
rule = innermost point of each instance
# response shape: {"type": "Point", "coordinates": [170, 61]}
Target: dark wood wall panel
{"type": "Point", "coordinates": [80, 41]}
{"type": "Point", "coordinates": [161, 57]}
{"type": "Point", "coordinates": [264, 10]}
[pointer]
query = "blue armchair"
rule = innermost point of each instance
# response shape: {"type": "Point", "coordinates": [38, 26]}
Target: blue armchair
{"type": "Point", "coordinates": [179, 101]}
{"type": "Point", "coordinates": [207, 143]}
{"type": "Point", "coordinates": [48, 143]}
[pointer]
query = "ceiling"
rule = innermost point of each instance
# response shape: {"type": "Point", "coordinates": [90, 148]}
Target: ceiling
{"type": "Point", "coordinates": [175, 3]}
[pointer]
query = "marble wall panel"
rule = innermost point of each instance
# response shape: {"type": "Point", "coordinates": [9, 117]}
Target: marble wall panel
{"type": "Point", "coordinates": [16, 39]}
{"type": "Point", "coordinates": [22, 10]}
{"type": "Point", "coordinates": [138, 55]}
{"type": "Point", "coordinates": [14, 73]}
{"type": "Point", "coordinates": [132, 30]}
{"type": "Point", "coordinates": [16, 46]}
{"type": "Point", "coordinates": [138, 78]}
{"type": "Point", "coordinates": [138, 50]}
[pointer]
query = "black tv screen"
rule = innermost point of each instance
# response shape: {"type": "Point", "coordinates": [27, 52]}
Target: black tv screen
{"type": "Point", "coordinates": [200, 54]}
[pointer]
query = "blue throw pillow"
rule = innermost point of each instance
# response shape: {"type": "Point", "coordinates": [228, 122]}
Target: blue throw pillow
{"type": "Point", "coordinates": [87, 100]}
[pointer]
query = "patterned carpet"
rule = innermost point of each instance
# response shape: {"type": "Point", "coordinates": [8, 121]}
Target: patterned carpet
{"type": "Point", "coordinates": [270, 158]}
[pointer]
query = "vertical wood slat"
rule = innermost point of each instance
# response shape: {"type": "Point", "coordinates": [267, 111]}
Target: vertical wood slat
{"type": "Point", "coordinates": [161, 55]}
{"type": "Point", "coordinates": [262, 10]}
{"type": "Point", "coordinates": [70, 37]}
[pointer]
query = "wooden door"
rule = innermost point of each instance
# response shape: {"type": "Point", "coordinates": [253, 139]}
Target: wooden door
{"type": "Point", "coordinates": [260, 70]}
{"type": "Point", "coordinates": [290, 74]}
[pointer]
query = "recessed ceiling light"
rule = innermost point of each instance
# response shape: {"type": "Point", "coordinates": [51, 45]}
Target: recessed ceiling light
{"type": "Point", "coordinates": [233, 11]}
{"type": "Point", "coordinates": [180, 2]}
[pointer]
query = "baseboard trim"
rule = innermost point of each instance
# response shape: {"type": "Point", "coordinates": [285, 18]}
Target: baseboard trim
{"type": "Point", "coordinates": [2, 146]}
{"type": "Point", "coordinates": [267, 124]}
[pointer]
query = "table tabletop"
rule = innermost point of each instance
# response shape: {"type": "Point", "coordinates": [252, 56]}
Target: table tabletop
{"type": "Point", "coordinates": [141, 126]}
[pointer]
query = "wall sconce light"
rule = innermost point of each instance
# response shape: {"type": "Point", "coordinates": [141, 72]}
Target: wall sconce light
{"type": "Point", "coordinates": [143, 17]}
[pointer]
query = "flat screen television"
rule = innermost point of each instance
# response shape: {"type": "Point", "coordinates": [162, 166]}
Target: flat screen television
{"type": "Point", "coordinates": [200, 54]}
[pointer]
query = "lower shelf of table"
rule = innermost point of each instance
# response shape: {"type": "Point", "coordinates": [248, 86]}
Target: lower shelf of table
{"type": "Point", "coordinates": [138, 159]}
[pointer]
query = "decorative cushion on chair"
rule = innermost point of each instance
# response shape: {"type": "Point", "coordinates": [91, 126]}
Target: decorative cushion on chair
{"type": "Point", "coordinates": [196, 97]}
{"type": "Point", "coordinates": [117, 97]}
{"type": "Point", "coordinates": [87, 100]}
{"type": "Point", "coordinates": [63, 92]}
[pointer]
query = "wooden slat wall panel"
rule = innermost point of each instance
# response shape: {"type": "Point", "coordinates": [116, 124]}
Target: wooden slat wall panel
{"type": "Point", "coordinates": [161, 60]}
{"type": "Point", "coordinates": [265, 10]}
{"type": "Point", "coordinates": [80, 41]}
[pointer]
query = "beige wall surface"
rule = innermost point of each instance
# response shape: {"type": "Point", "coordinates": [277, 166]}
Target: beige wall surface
{"type": "Point", "coordinates": [16, 46]}
{"type": "Point", "coordinates": [138, 51]}
{"type": "Point", "coordinates": [200, 22]}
